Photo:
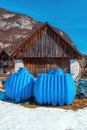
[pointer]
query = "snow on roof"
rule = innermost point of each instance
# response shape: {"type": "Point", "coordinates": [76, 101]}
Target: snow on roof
{"type": "Point", "coordinates": [61, 33]}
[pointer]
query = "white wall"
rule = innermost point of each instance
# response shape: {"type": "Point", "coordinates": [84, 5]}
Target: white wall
{"type": "Point", "coordinates": [74, 68]}
{"type": "Point", "coordinates": [18, 64]}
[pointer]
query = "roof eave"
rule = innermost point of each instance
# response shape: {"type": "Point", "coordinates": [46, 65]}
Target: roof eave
{"type": "Point", "coordinates": [73, 47]}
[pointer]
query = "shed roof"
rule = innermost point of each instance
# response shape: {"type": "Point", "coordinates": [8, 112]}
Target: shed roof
{"type": "Point", "coordinates": [17, 45]}
{"type": "Point", "coordinates": [60, 33]}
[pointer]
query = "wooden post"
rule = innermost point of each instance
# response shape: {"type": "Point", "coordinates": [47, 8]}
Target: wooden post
{"type": "Point", "coordinates": [1, 65]}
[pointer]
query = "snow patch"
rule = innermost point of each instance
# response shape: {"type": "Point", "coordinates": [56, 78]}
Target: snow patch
{"type": "Point", "coordinates": [3, 24]}
{"type": "Point", "coordinates": [24, 25]}
{"type": "Point", "coordinates": [1, 45]}
{"type": "Point", "coordinates": [7, 45]}
{"type": "Point", "coordinates": [15, 24]}
{"type": "Point", "coordinates": [6, 16]}
{"type": "Point", "coordinates": [4, 45]}
{"type": "Point", "coordinates": [14, 37]}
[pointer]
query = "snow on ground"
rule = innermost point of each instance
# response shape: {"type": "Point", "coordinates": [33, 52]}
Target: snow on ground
{"type": "Point", "coordinates": [16, 117]}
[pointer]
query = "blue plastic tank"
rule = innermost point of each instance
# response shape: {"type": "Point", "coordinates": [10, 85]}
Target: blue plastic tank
{"type": "Point", "coordinates": [55, 71]}
{"type": "Point", "coordinates": [54, 89]}
{"type": "Point", "coordinates": [19, 85]}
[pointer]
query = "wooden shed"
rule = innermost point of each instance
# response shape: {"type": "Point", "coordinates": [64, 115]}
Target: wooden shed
{"type": "Point", "coordinates": [6, 65]}
{"type": "Point", "coordinates": [46, 48]}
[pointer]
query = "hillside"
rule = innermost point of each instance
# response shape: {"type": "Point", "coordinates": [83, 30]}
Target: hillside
{"type": "Point", "coordinates": [14, 28]}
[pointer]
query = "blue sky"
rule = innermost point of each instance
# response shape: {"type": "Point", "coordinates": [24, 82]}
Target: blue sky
{"type": "Point", "coordinates": [67, 15]}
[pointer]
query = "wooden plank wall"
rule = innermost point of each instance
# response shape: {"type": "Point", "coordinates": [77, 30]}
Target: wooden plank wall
{"type": "Point", "coordinates": [83, 67]}
{"type": "Point", "coordinates": [6, 63]}
{"type": "Point", "coordinates": [46, 50]}
{"type": "Point", "coordinates": [46, 43]}
{"type": "Point", "coordinates": [42, 65]}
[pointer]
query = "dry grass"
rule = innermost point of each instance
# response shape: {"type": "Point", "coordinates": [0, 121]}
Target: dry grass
{"type": "Point", "coordinates": [77, 104]}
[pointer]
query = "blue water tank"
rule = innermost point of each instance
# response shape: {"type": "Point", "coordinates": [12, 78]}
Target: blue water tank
{"type": "Point", "coordinates": [19, 85]}
{"type": "Point", "coordinates": [55, 89]}
{"type": "Point", "coordinates": [55, 71]}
